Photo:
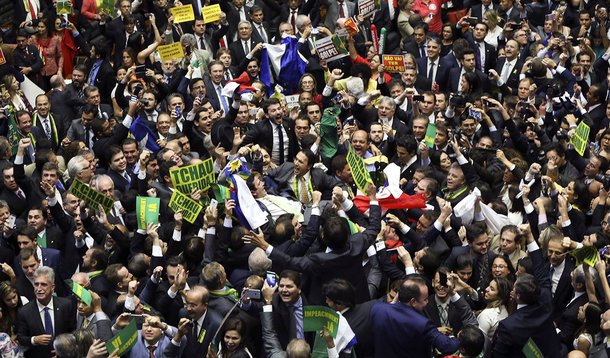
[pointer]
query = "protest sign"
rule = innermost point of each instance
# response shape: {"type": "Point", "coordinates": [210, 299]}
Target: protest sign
{"type": "Point", "coordinates": [531, 350]}
{"type": "Point", "coordinates": [316, 317]}
{"type": "Point", "coordinates": [171, 51]}
{"type": "Point", "coordinates": [580, 138]}
{"type": "Point", "coordinates": [82, 293]}
{"type": "Point", "coordinates": [190, 208]}
{"type": "Point", "coordinates": [292, 101]}
{"type": "Point", "coordinates": [148, 211]}
{"type": "Point", "coordinates": [183, 13]}
{"type": "Point", "coordinates": [64, 7]}
{"type": "Point", "coordinates": [331, 48]}
{"type": "Point", "coordinates": [211, 13]}
{"type": "Point", "coordinates": [393, 63]}
{"type": "Point", "coordinates": [107, 7]}
{"type": "Point", "coordinates": [586, 254]}
{"type": "Point", "coordinates": [430, 135]}
{"type": "Point", "coordinates": [351, 26]}
{"type": "Point", "coordinates": [358, 169]}
{"type": "Point", "coordinates": [124, 340]}
{"type": "Point", "coordinates": [366, 8]}
{"type": "Point", "coordinates": [200, 176]}
{"type": "Point", "coordinates": [90, 196]}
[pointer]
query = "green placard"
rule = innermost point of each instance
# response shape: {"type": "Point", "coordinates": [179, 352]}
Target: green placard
{"type": "Point", "coordinates": [90, 196]}
{"type": "Point", "coordinates": [200, 175]}
{"type": "Point", "coordinates": [148, 211]}
{"type": "Point", "coordinates": [358, 169]}
{"type": "Point", "coordinates": [316, 317]}
{"type": "Point", "coordinates": [190, 208]}
{"type": "Point", "coordinates": [531, 350]}
{"type": "Point", "coordinates": [124, 340]}
{"type": "Point", "coordinates": [82, 293]}
{"type": "Point", "coordinates": [580, 138]}
{"type": "Point", "coordinates": [586, 254]}
{"type": "Point", "coordinates": [108, 7]}
{"type": "Point", "coordinates": [430, 135]}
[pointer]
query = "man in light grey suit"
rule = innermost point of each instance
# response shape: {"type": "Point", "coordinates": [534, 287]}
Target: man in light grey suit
{"type": "Point", "coordinates": [77, 128]}
{"type": "Point", "coordinates": [93, 318]}
{"type": "Point", "coordinates": [334, 12]}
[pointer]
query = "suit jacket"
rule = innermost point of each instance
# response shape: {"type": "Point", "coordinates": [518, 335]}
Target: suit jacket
{"type": "Point", "coordinates": [237, 50]}
{"type": "Point", "coordinates": [441, 71]}
{"type": "Point", "coordinates": [100, 325]}
{"type": "Point", "coordinates": [77, 131]}
{"type": "Point", "coordinates": [120, 183]}
{"type": "Point", "coordinates": [104, 80]}
{"type": "Point", "coordinates": [212, 94]}
{"type": "Point", "coordinates": [272, 344]}
{"type": "Point", "coordinates": [64, 111]}
{"type": "Point", "coordinates": [30, 324]}
{"type": "Point", "coordinates": [533, 321]}
{"type": "Point", "coordinates": [459, 314]}
{"type": "Point", "coordinates": [412, 48]}
{"type": "Point", "coordinates": [568, 323]}
{"type": "Point", "coordinates": [345, 263]}
{"type": "Point", "coordinates": [564, 290]}
{"type": "Point", "coordinates": [283, 174]}
{"type": "Point", "coordinates": [256, 32]}
{"type": "Point", "coordinates": [50, 258]}
{"type": "Point", "coordinates": [140, 349]}
{"type": "Point", "coordinates": [284, 324]}
{"type": "Point", "coordinates": [401, 331]}
{"type": "Point", "coordinates": [25, 287]}
{"type": "Point", "coordinates": [477, 10]}
{"type": "Point", "coordinates": [455, 75]}
{"type": "Point", "coordinates": [19, 207]}
{"type": "Point", "coordinates": [333, 13]}
{"type": "Point", "coordinates": [192, 348]}
{"type": "Point", "coordinates": [512, 83]}
{"type": "Point", "coordinates": [57, 128]}
{"type": "Point", "coordinates": [513, 16]}
{"type": "Point", "coordinates": [476, 272]}
{"type": "Point", "coordinates": [262, 133]}
{"type": "Point", "coordinates": [490, 53]}
{"type": "Point", "coordinates": [359, 321]}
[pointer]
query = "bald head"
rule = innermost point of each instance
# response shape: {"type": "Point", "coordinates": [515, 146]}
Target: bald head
{"type": "Point", "coordinates": [298, 348]}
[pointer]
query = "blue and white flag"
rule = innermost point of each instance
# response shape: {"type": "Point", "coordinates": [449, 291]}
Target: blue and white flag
{"type": "Point", "coordinates": [145, 137]}
{"type": "Point", "coordinates": [287, 63]}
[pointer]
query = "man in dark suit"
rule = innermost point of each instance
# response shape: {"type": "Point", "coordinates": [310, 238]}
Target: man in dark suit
{"type": "Point", "coordinates": [58, 103]}
{"type": "Point", "coordinates": [28, 262]}
{"type": "Point", "coordinates": [27, 58]}
{"type": "Point", "coordinates": [93, 96]}
{"type": "Point", "coordinates": [299, 180]}
{"type": "Point", "coordinates": [223, 131]}
{"type": "Point", "coordinates": [118, 31]}
{"type": "Point", "coordinates": [51, 124]}
{"type": "Point", "coordinates": [73, 94]}
{"type": "Point", "coordinates": [201, 331]}
{"type": "Point", "coordinates": [100, 72]}
{"type": "Point", "coordinates": [343, 258]}
{"type": "Point", "coordinates": [45, 317]}
{"type": "Point", "coordinates": [275, 133]}
{"type": "Point", "coordinates": [559, 270]}
{"type": "Point", "coordinates": [478, 249]}
{"type": "Point", "coordinates": [596, 109]}
{"type": "Point", "coordinates": [93, 318]}
{"type": "Point", "coordinates": [213, 87]}
{"type": "Point", "coordinates": [237, 11]}
{"type": "Point", "coordinates": [27, 238]}
{"type": "Point", "coordinates": [198, 132]}
{"type": "Point", "coordinates": [568, 323]}
{"type": "Point", "coordinates": [508, 69]}
{"type": "Point", "coordinates": [262, 32]}
{"type": "Point", "coordinates": [417, 47]}
{"type": "Point", "coordinates": [481, 9]}
{"type": "Point", "coordinates": [468, 65]}
{"type": "Point", "coordinates": [485, 53]}
{"type": "Point", "coordinates": [431, 66]}
{"type": "Point", "coordinates": [534, 316]}
{"type": "Point", "coordinates": [244, 44]}
{"type": "Point", "coordinates": [509, 12]}
{"type": "Point", "coordinates": [401, 330]}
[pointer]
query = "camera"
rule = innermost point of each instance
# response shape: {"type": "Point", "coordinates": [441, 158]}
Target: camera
{"type": "Point", "coordinates": [144, 101]}
{"type": "Point", "coordinates": [604, 179]}
{"type": "Point", "coordinates": [561, 135]}
{"type": "Point", "coordinates": [457, 100]}
{"type": "Point", "coordinates": [337, 99]}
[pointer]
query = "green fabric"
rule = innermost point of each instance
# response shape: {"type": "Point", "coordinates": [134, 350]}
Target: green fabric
{"type": "Point", "coordinates": [329, 136]}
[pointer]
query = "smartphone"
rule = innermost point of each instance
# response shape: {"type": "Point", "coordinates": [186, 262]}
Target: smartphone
{"type": "Point", "coordinates": [213, 204]}
{"type": "Point", "coordinates": [442, 279]}
{"type": "Point", "coordinates": [271, 278]}
{"type": "Point", "coordinates": [178, 110]}
{"type": "Point", "coordinates": [140, 70]}
{"type": "Point", "coordinates": [11, 221]}
{"type": "Point", "coordinates": [138, 318]}
{"type": "Point", "coordinates": [418, 97]}
{"type": "Point", "coordinates": [474, 114]}
{"type": "Point", "coordinates": [472, 20]}
{"type": "Point", "coordinates": [252, 294]}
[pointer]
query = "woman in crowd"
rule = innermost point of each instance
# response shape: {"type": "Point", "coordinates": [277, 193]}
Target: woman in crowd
{"type": "Point", "coordinates": [497, 295]}
{"type": "Point", "coordinates": [49, 46]}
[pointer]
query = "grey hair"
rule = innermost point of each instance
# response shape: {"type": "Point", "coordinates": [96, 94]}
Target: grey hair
{"type": "Point", "coordinates": [4, 204]}
{"type": "Point", "coordinates": [258, 262]}
{"type": "Point", "coordinates": [188, 39]}
{"type": "Point", "coordinates": [301, 21]}
{"type": "Point", "coordinates": [244, 22]}
{"type": "Point", "coordinates": [99, 178]}
{"type": "Point", "coordinates": [388, 100]}
{"type": "Point", "coordinates": [64, 345]}
{"type": "Point", "coordinates": [45, 271]}
{"type": "Point", "coordinates": [75, 165]}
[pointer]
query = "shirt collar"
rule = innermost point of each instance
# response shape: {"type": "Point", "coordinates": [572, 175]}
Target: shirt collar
{"type": "Point", "coordinates": [41, 307]}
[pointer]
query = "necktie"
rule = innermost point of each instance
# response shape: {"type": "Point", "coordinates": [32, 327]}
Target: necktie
{"type": "Point", "coordinates": [33, 14]}
{"type": "Point", "coordinates": [47, 128]}
{"type": "Point", "coordinates": [483, 271]}
{"type": "Point", "coordinates": [443, 315]}
{"type": "Point", "coordinates": [222, 42]}
{"type": "Point", "coordinates": [422, 51]}
{"type": "Point", "coordinates": [85, 323]}
{"type": "Point", "coordinates": [20, 194]}
{"type": "Point", "coordinates": [281, 137]}
{"type": "Point", "coordinates": [293, 21]}
{"type": "Point", "coordinates": [246, 47]}
{"type": "Point", "coordinates": [341, 10]}
{"type": "Point", "coordinates": [88, 138]}
{"type": "Point", "coordinates": [303, 191]}
{"type": "Point", "coordinates": [261, 31]}
{"type": "Point", "coordinates": [48, 322]}
{"type": "Point", "coordinates": [431, 72]}
{"type": "Point", "coordinates": [151, 350]}
{"type": "Point", "coordinates": [228, 76]}
{"type": "Point", "coordinates": [195, 330]}
{"type": "Point", "coordinates": [201, 43]}
{"type": "Point", "coordinates": [127, 177]}
{"type": "Point", "coordinates": [42, 240]}
{"type": "Point", "coordinates": [482, 56]}
{"type": "Point", "coordinates": [222, 99]}
{"type": "Point", "coordinates": [505, 72]}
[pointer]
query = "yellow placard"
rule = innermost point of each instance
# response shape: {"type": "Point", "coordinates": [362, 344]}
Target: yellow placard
{"type": "Point", "coordinates": [361, 176]}
{"type": "Point", "coordinates": [200, 176]}
{"type": "Point", "coordinates": [183, 13]}
{"type": "Point", "coordinates": [211, 13]}
{"type": "Point", "coordinates": [171, 51]}
{"type": "Point", "coordinates": [190, 208]}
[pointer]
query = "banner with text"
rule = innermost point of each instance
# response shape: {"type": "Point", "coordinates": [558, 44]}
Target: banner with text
{"type": "Point", "coordinates": [148, 211]}
{"type": "Point", "coordinates": [316, 317]}
{"type": "Point", "coordinates": [200, 176]}
{"type": "Point", "coordinates": [366, 8]}
{"type": "Point", "coordinates": [190, 208]}
{"type": "Point", "coordinates": [211, 13]}
{"type": "Point", "coordinates": [358, 169]}
{"type": "Point", "coordinates": [124, 340]}
{"type": "Point", "coordinates": [580, 138]}
{"type": "Point", "coordinates": [171, 51]}
{"type": "Point", "coordinates": [183, 13]}
{"type": "Point", "coordinates": [331, 48]}
{"type": "Point", "coordinates": [90, 196]}
{"type": "Point", "coordinates": [394, 63]}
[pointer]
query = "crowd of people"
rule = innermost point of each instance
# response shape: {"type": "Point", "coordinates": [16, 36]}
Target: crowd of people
{"type": "Point", "coordinates": [453, 205]}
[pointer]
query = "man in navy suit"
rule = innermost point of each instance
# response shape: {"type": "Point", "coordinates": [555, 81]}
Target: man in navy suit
{"type": "Point", "coordinates": [27, 237]}
{"type": "Point", "coordinates": [468, 65]}
{"type": "Point", "coordinates": [534, 316]}
{"type": "Point", "coordinates": [401, 330]}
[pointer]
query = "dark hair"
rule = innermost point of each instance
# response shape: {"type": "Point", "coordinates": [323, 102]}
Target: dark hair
{"type": "Point", "coordinates": [411, 288]}
{"type": "Point", "coordinates": [311, 158]}
{"type": "Point", "coordinates": [269, 102]}
{"type": "Point", "coordinates": [293, 276]}
{"type": "Point", "coordinates": [99, 255]}
{"type": "Point", "coordinates": [475, 230]}
{"type": "Point", "coordinates": [408, 142]}
{"type": "Point", "coordinates": [472, 341]}
{"type": "Point", "coordinates": [338, 163]}
{"type": "Point", "coordinates": [340, 291]}
{"type": "Point", "coordinates": [527, 289]}
{"type": "Point", "coordinates": [233, 324]}
{"type": "Point", "coordinates": [504, 288]}
{"type": "Point", "coordinates": [336, 232]}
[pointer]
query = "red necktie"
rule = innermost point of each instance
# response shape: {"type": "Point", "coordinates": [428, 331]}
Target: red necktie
{"type": "Point", "coordinates": [222, 42]}
{"type": "Point", "coordinates": [341, 11]}
{"type": "Point", "coordinates": [32, 10]}
{"type": "Point", "coordinates": [293, 22]}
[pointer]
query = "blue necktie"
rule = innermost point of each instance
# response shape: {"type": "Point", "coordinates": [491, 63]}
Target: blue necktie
{"type": "Point", "coordinates": [48, 322]}
{"type": "Point", "coordinates": [223, 100]}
